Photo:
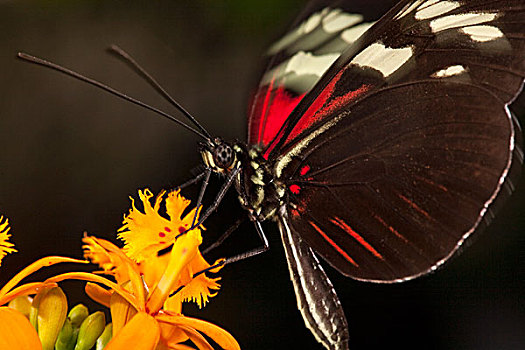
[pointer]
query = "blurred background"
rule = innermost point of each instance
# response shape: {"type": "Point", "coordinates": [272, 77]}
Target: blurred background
{"type": "Point", "coordinates": [71, 155]}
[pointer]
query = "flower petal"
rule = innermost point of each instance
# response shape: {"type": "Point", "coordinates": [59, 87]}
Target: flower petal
{"type": "Point", "coordinates": [197, 338]}
{"type": "Point", "coordinates": [86, 276]}
{"type": "Point", "coordinates": [183, 251]}
{"type": "Point", "coordinates": [25, 289]}
{"type": "Point", "coordinates": [143, 329]}
{"type": "Point", "coordinates": [124, 269]}
{"type": "Point", "coordinates": [176, 204]}
{"type": "Point", "coordinates": [37, 265]}
{"type": "Point", "coordinates": [121, 312]}
{"type": "Point", "coordinates": [219, 335]}
{"type": "Point", "coordinates": [16, 332]}
{"type": "Point", "coordinates": [146, 233]}
{"type": "Point", "coordinates": [170, 334]}
{"type": "Point", "coordinates": [98, 294]}
{"type": "Point", "coordinates": [5, 246]}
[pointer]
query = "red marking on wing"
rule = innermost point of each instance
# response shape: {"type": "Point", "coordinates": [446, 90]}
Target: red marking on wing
{"type": "Point", "coordinates": [333, 244]}
{"type": "Point", "coordinates": [337, 221]}
{"type": "Point", "coordinates": [295, 189]}
{"type": "Point", "coordinates": [304, 170]}
{"type": "Point", "coordinates": [162, 234]}
{"type": "Point", "coordinates": [167, 229]}
{"type": "Point", "coordinates": [182, 229]}
{"type": "Point", "coordinates": [270, 112]}
{"type": "Point", "coordinates": [390, 228]}
{"type": "Point", "coordinates": [415, 206]}
{"type": "Point", "coordinates": [430, 182]}
{"type": "Point", "coordinates": [319, 109]}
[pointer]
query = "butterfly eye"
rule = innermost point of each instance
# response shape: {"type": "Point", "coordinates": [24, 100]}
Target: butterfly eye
{"type": "Point", "coordinates": [223, 156]}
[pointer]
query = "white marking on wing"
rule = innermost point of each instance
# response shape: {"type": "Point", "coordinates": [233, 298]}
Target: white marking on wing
{"type": "Point", "coordinates": [283, 160]}
{"type": "Point", "coordinates": [338, 20]}
{"type": "Point", "coordinates": [301, 65]}
{"type": "Point", "coordinates": [405, 11]}
{"type": "Point", "coordinates": [350, 35]}
{"type": "Point", "coordinates": [345, 39]}
{"type": "Point", "coordinates": [461, 20]}
{"type": "Point", "coordinates": [303, 29]}
{"type": "Point", "coordinates": [436, 9]}
{"type": "Point", "coordinates": [384, 59]}
{"type": "Point", "coordinates": [483, 33]}
{"type": "Point", "coordinates": [427, 4]}
{"type": "Point", "coordinates": [449, 71]}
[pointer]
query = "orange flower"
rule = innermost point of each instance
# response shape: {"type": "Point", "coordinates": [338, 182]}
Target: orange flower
{"type": "Point", "coordinates": [155, 286]}
{"type": "Point", "coordinates": [146, 299]}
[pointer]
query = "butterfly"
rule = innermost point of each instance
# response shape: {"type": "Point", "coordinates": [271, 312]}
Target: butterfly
{"type": "Point", "coordinates": [379, 146]}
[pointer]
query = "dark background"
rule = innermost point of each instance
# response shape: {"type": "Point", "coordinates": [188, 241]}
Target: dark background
{"type": "Point", "coordinates": [70, 155]}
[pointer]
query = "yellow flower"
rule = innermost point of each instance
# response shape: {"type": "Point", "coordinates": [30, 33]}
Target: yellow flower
{"type": "Point", "coordinates": [146, 299]}
{"type": "Point", "coordinates": [5, 246]}
{"type": "Point", "coordinates": [148, 312]}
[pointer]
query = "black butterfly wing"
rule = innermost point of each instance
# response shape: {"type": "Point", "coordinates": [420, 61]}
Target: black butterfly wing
{"type": "Point", "coordinates": [396, 156]}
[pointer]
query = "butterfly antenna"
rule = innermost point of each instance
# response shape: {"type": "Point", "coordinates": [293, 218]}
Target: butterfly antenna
{"type": "Point", "coordinates": [120, 53]}
{"type": "Point", "coordinates": [112, 91]}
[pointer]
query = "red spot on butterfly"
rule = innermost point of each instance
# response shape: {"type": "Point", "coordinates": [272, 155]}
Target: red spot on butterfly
{"type": "Point", "coordinates": [162, 242]}
{"type": "Point", "coordinates": [295, 189]}
{"type": "Point", "coordinates": [182, 229]}
{"type": "Point", "coordinates": [162, 234]}
{"type": "Point", "coordinates": [167, 229]}
{"type": "Point", "coordinates": [304, 170]}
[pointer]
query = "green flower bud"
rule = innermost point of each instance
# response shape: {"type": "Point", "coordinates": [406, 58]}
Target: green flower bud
{"type": "Point", "coordinates": [77, 315]}
{"type": "Point", "coordinates": [90, 330]}
{"type": "Point", "coordinates": [49, 310]}
{"type": "Point", "coordinates": [66, 338]}
{"type": "Point", "coordinates": [105, 337]}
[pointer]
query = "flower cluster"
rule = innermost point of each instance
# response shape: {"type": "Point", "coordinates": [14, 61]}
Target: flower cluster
{"type": "Point", "coordinates": [144, 289]}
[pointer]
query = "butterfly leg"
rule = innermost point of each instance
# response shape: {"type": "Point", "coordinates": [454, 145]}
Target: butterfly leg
{"type": "Point", "coordinates": [252, 252]}
{"type": "Point", "coordinates": [192, 181]}
{"type": "Point", "coordinates": [216, 202]}
{"type": "Point", "coordinates": [204, 185]}
{"type": "Point", "coordinates": [237, 257]}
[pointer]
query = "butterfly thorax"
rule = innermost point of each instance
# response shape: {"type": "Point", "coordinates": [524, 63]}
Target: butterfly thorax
{"type": "Point", "coordinates": [259, 191]}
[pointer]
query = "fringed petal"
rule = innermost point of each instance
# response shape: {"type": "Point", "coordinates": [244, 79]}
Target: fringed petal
{"type": "Point", "coordinates": [5, 246]}
{"type": "Point", "coordinates": [124, 269]}
{"type": "Point", "coordinates": [144, 234]}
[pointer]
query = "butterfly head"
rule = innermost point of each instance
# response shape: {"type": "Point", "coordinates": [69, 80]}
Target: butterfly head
{"type": "Point", "coordinates": [220, 156]}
